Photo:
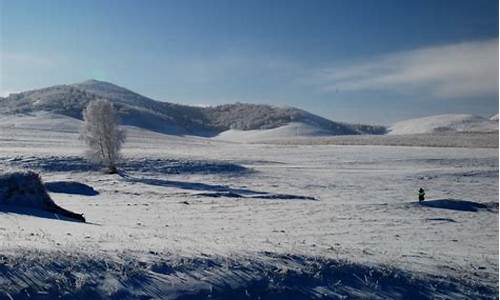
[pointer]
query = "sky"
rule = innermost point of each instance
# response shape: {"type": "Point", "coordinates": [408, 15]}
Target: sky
{"type": "Point", "coordinates": [362, 61]}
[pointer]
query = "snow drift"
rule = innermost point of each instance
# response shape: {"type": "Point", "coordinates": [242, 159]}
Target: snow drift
{"type": "Point", "coordinates": [26, 190]}
{"type": "Point", "coordinates": [444, 123]}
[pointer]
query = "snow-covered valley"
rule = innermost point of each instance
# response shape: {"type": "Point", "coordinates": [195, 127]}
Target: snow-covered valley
{"type": "Point", "coordinates": [193, 217]}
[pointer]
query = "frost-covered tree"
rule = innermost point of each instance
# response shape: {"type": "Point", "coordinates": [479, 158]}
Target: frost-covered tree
{"type": "Point", "coordinates": [102, 133]}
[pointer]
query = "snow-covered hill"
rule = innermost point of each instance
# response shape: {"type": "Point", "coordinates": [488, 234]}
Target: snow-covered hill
{"type": "Point", "coordinates": [41, 120]}
{"type": "Point", "coordinates": [446, 122]}
{"type": "Point", "coordinates": [291, 130]}
{"type": "Point", "coordinates": [137, 110]}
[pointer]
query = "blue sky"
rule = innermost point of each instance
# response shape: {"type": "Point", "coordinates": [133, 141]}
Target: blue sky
{"type": "Point", "coordinates": [359, 61]}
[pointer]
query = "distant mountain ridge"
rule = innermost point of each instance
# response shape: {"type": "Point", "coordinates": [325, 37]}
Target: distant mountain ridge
{"type": "Point", "coordinates": [140, 111]}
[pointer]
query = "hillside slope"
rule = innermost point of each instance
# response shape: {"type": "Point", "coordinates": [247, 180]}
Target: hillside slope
{"type": "Point", "coordinates": [137, 110]}
{"type": "Point", "coordinates": [291, 130]}
{"type": "Point", "coordinates": [443, 123]}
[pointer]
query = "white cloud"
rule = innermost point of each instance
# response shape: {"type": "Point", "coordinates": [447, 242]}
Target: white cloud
{"type": "Point", "coordinates": [451, 71]}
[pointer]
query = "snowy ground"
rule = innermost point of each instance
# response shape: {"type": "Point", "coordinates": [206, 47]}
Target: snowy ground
{"type": "Point", "coordinates": [192, 217]}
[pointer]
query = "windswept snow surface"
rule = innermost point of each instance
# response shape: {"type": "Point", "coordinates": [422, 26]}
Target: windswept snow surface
{"type": "Point", "coordinates": [197, 218]}
{"type": "Point", "coordinates": [447, 122]}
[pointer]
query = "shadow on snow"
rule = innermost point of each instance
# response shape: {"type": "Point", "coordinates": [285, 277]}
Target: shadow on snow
{"type": "Point", "coordinates": [460, 205]}
{"type": "Point", "coordinates": [146, 165]}
{"type": "Point", "coordinates": [70, 187]}
{"type": "Point", "coordinates": [33, 212]}
{"type": "Point", "coordinates": [215, 190]}
{"type": "Point", "coordinates": [263, 276]}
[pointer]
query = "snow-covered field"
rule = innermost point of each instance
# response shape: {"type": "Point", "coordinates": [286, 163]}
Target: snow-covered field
{"type": "Point", "coordinates": [197, 218]}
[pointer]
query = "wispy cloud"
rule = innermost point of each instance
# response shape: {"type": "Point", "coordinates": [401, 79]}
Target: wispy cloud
{"type": "Point", "coordinates": [23, 59]}
{"type": "Point", "coordinates": [452, 71]}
